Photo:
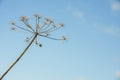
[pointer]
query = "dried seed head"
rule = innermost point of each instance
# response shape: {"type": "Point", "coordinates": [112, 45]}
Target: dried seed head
{"type": "Point", "coordinates": [37, 15]}
{"type": "Point", "coordinates": [13, 28]}
{"type": "Point", "coordinates": [61, 24]}
{"type": "Point", "coordinates": [49, 20]}
{"type": "Point", "coordinates": [13, 23]}
{"type": "Point", "coordinates": [47, 26]}
{"type": "Point", "coordinates": [40, 45]}
{"type": "Point", "coordinates": [47, 35]}
{"type": "Point", "coordinates": [23, 18]}
{"type": "Point", "coordinates": [53, 25]}
{"type": "Point", "coordinates": [27, 39]}
{"type": "Point", "coordinates": [64, 38]}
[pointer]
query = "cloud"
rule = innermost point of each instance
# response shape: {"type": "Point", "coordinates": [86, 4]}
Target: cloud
{"type": "Point", "coordinates": [108, 29]}
{"type": "Point", "coordinates": [75, 12]}
{"type": "Point", "coordinates": [114, 31]}
{"type": "Point", "coordinates": [115, 6]}
{"type": "Point", "coordinates": [116, 59]}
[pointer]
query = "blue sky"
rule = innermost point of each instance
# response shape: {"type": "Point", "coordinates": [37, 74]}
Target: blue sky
{"type": "Point", "coordinates": [92, 51]}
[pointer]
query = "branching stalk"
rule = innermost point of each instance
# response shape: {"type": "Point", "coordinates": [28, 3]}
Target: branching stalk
{"type": "Point", "coordinates": [13, 64]}
{"type": "Point", "coordinates": [43, 31]}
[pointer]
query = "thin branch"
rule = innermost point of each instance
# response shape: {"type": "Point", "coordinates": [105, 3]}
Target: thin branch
{"type": "Point", "coordinates": [27, 39]}
{"type": "Point", "coordinates": [50, 37]}
{"type": "Point", "coordinates": [11, 66]}
{"type": "Point", "coordinates": [51, 30]}
{"type": "Point", "coordinates": [44, 24]}
{"type": "Point", "coordinates": [43, 31]}
{"type": "Point", "coordinates": [46, 27]}
{"type": "Point", "coordinates": [23, 28]}
{"type": "Point", "coordinates": [36, 23]}
{"type": "Point", "coordinates": [28, 25]}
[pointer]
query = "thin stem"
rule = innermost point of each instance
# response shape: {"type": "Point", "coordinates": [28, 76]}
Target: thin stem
{"type": "Point", "coordinates": [37, 23]}
{"type": "Point", "coordinates": [23, 28]}
{"type": "Point", "coordinates": [46, 27]}
{"type": "Point", "coordinates": [50, 30]}
{"type": "Point", "coordinates": [50, 37]}
{"type": "Point", "coordinates": [28, 25]}
{"type": "Point", "coordinates": [13, 64]}
{"type": "Point", "coordinates": [44, 24]}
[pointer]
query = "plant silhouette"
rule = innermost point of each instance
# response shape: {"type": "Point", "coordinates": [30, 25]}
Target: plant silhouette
{"type": "Point", "coordinates": [47, 27]}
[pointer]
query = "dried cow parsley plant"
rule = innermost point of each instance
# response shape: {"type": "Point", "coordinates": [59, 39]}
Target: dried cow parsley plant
{"type": "Point", "coordinates": [43, 30]}
{"type": "Point", "coordinates": [40, 30]}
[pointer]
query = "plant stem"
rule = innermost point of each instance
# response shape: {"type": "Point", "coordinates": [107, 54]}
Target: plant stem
{"type": "Point", "coordinates": [13, 64]}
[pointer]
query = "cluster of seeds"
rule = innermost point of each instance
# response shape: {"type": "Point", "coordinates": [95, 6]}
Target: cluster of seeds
{"type": "Point", "coordinates": [44, 30]}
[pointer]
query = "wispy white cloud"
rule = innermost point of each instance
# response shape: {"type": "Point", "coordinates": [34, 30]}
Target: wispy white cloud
{"type": "Point", "coordinates": [78, 14]}
{"type": "Point", "coordinates": [116, 60]}
{"type": "Point", "coordinates": [108, 29]}
{"type": "Point", "coordinates": [114, 31]}
{"type": "Point", "coordinates": [115, 6]}
{"type": "Point", "coordinates": [75, 12]}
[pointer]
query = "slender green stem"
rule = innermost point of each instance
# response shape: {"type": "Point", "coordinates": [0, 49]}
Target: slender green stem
{"type": "Point", "coordinates": [13, 64]}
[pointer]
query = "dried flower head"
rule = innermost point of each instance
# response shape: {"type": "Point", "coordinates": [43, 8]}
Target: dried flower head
{"type": "Point", "coordinates": [53, 25]}
{"type": "Point", "coordinates": [49, 20]}
{"type": "Point", "coordinates": [13, 23]}
{"type": "Point", "coordinates": [40, 45]}
{"type": "Point", "coordinates": [47, 34]}
{"type": "Point", "coordinates": [23, 18]}
{"type": "Point", "coordinates": [41, 30]}
{"type": "Point", "coordinates": [13, 28]}
{"type": "Point", "coordinates": [64, 38]}
{"type": "Point", "coordinates": [27, 39]}
{"type": "Point", "coordinates": [61, 24]}
{"type": "Point", "coordinates": [37, 15]}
